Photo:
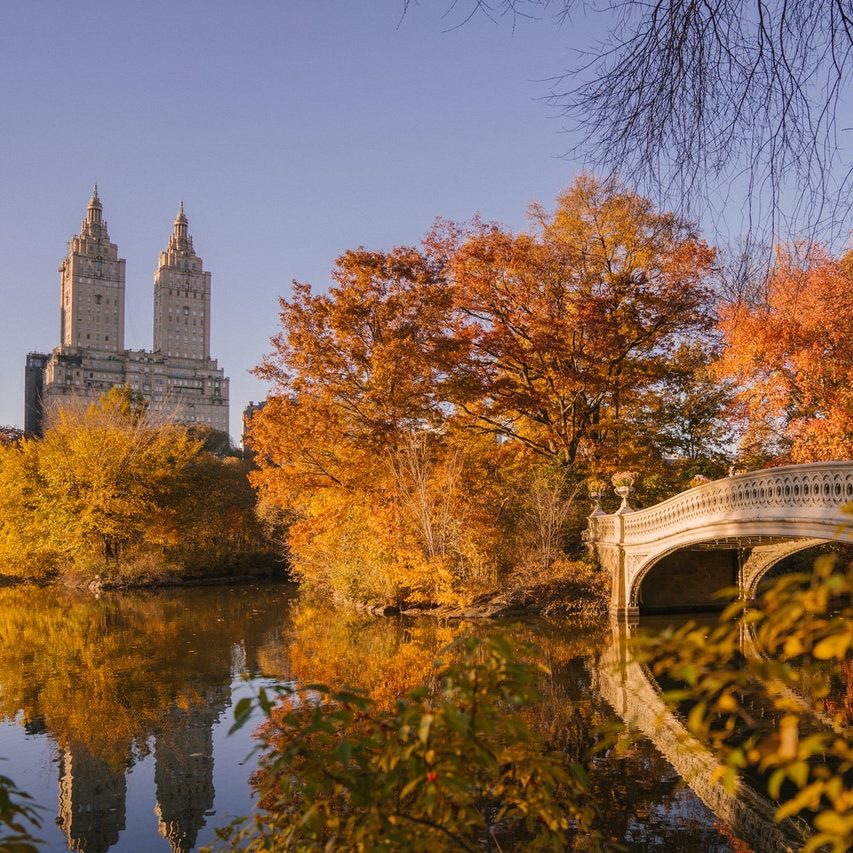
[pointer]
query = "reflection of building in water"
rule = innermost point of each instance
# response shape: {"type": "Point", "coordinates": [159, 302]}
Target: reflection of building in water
{"type": "Point", "coordinates": [91, 800]}
{"type": "Point", "coordinates": [183, 770]}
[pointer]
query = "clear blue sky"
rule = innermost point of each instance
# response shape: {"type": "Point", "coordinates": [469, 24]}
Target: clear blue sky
{"type": "Point", "coordinates": [292, 130]}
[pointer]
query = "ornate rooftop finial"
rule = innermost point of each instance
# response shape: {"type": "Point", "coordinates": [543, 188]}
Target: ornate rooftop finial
{"type": "Point", "coordinates": [180, 231]}
{"type": "Point", "coordinates": [95, 201]}
{"type": "Point", "coordinates": [94, 214]}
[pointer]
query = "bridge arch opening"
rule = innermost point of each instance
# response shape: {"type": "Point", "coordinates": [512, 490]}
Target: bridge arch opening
{"type": "Point", "coordinates": [688, 579]}
{"type": "Point", "coordinates": [799, 559]}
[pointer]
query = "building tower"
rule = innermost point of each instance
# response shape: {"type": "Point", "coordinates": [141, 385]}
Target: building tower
{"type": "Point", "coordinates": [183, 768]}
{"type": "Point", "coordinates": [181, 298]}
{"type": "Point", "coordinates": [179, 379]}
{"type": "Point", "coordinates": [92, 287]}
{"type": "Point", "coordinates": [92, 799]}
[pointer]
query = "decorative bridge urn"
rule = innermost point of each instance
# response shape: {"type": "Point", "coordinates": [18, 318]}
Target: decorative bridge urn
{"type": "Point", "coordinates": [596, 490]}
{"type": "Point", "coordinates": [623, 485]}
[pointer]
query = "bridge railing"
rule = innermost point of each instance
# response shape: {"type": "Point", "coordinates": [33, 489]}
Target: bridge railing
{"type": "Point", "coordinates": [604, 528]}
{"type": "Point", "coordinates": [815, 489]}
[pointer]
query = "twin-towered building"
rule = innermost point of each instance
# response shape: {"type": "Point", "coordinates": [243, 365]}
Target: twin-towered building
{"type": "Point", "coordinates": [178, 377]}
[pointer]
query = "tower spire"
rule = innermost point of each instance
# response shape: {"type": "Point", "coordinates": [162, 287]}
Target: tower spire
{"type": "Point", "coordinates": [180, 231]}
{"type": "Point", "coordinates": [94, 209]}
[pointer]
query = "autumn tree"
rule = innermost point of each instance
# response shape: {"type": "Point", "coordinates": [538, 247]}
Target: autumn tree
{"type": "Point", "coordinates": [434, 413]}
{"type": "Point", "coordinates": [355, 439]}
{"type": "Point", "coordinates": [685, 419]}
{"type": "Point", "coordinates": [91, 485]}
{"type": "Point", "coordinates": [352, 370]}
{"type": "Point", "coordinates": [791, 357]}
{"type": "Point", "coordinates": [374, 347]}
{"type": "Point", "coordinates": [111, 490]}
{"type": "Point", "coordinates": [572, 324]}
{"type": "Point", "coordinates": [105, 468]}
{"type": "Point", "coordinates": [209, 523]}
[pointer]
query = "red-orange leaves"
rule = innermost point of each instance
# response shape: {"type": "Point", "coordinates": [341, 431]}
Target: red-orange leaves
{"type": "Point", "coordinates": [414, 402]}
{"type": "Point", "coordinates": [572, 322]}
{"type": "Point", "coordinates": [374, 347]}
{"type": "Point", "coordinates": [792, 358]}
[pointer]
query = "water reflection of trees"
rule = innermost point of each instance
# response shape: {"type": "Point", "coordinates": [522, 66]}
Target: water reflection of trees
{"type": "Point", "coordinates": [72, 661]}
{"type": "Point", "coordinates": [639, 796]}
{"type": "Point", "coordinates": [383, 657]}
{"type": "Point", "coordinates": [111, 678]}
{"type": "Point", "coordinates": [114, 678]}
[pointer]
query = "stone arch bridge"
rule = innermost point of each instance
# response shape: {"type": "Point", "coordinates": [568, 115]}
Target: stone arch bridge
{"type": "Point", "coordinates": [728, 532]}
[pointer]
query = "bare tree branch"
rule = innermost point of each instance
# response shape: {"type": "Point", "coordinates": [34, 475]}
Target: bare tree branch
{"type": "Point", "coordinates": [700, 102]}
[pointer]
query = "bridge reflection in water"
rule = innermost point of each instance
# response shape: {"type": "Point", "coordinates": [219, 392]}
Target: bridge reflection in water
{"type": "Point", "coordinates": [630, 689]}
{"type": "Point", "coordinates": [675, 556]}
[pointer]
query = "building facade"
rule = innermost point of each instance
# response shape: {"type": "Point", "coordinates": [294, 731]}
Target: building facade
{"type": "Point", "coordinates": [177, 377]}
{"type": "Point", "coordinates": [248, 413]}
{"type": "Point", "coordinates": [34, 392]}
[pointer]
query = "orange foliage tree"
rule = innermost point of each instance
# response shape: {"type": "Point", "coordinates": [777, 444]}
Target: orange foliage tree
{"type": "Point", "coordinates": [573, 322]}
{"type": "Point", "coordinates": [434, 412]}
{"type": "Point", "coordinates": [356, 440]}
{"type": "Point", "coordinates": [792, 359]}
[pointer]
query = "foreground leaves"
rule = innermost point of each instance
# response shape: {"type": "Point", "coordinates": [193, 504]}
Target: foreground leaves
{"type": "Point", "coordinates": [452, 769]}
{"type": "Point", "coordinates": [763, 688]}
{"type": "Point", "coordinates": [17, 819]}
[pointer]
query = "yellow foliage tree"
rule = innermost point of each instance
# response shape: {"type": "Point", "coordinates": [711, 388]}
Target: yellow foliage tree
{"type": "Point", "coordinates": [109, 485]}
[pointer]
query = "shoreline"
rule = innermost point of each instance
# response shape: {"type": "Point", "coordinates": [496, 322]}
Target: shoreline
{"type": "Point", "coordinates": [553, 598]}
{"type": "Point", "coordinates": [97, 584]}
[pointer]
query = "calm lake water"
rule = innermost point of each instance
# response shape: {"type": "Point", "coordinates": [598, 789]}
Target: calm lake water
{"type": "Point", "coordinates": [115, 710]}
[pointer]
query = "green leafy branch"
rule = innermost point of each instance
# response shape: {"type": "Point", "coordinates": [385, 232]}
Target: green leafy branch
{"type": "Point", "coordinates": [453, 769]}
{"type": "Point", "coordinates": [16, 812]}
{"type": "Point", "coordinates": [801, 634]}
